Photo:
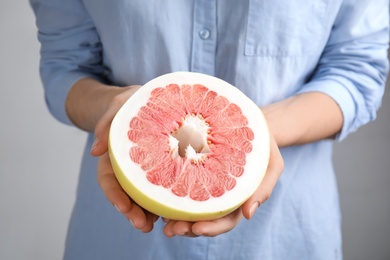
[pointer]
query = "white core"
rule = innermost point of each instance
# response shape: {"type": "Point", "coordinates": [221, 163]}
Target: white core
{"type": "Point", "coordinates": [190, 140]}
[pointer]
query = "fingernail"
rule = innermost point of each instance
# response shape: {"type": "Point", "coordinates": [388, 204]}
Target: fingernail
{"type": "Point", "coordinates": [94, 144]}
{"type": "Point", "coordinates": [253, 209]}
{"type": "Point", "coordinates": [132, 222]}
{"type": "Point", "coordinates": [117, 208]}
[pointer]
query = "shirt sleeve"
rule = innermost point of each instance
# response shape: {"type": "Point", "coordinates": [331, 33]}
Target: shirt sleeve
{"type": "Point", "coordinates": [70, 50]}
{"type": "Point", "coordinates": [354, 65]}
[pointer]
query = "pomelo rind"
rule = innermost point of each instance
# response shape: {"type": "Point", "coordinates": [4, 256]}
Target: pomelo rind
{"type": "Point", "coordinates": [161, 201]}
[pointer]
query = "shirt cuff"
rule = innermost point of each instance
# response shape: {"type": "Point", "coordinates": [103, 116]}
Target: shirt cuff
{"type": "Point", "coordinates": [57, 91]}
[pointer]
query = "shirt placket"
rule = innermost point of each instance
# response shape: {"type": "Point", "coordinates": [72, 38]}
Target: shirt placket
{"type": "Point", "coordinates": [204, 36]}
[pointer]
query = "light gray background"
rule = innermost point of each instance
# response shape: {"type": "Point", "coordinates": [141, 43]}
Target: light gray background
{"type": "Point", "coordinates": [40, 158]}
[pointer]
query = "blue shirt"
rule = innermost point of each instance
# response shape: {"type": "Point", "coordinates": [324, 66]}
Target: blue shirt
{"type": "Point", "coordinates": [268, 49]}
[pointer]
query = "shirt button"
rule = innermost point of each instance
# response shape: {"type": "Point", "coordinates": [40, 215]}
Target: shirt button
{"type": "Point", "coordinates": [204, 34]}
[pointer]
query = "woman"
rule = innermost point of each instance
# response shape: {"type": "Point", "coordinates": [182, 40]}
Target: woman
{"type": "Point", "coordinates": [315, 68]}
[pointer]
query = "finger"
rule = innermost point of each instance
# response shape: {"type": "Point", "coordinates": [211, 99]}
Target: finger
{"type": "Point", "coordinates": [179, 228]}
{"type": "Point", "coordinates": [218, 226]}
{"type": "Point", "coordinates": [155, 218]}
{"type": "Point", "coordinates": [183, 228]}
{"type": "Point", "coordinates": [110, 186]}
{"type": "Point", "coordinates": [274, 170]}
{"type": "Point", "coordinates": [116, 195]}
{"type": "Point", "coordinates": [150, 220]}
{"type": "Point", "coordinates": [168, 228]}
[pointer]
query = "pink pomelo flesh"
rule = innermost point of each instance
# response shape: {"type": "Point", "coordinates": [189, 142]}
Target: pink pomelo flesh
{"type": "Point", "coordinates": [213, 129]}
{"type": "Point", "coordinates": [184, 148]}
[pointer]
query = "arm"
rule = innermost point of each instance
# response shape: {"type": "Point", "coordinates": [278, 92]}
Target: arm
{"type": "Point", "coordinates": [303, 118]}
{"type": "Point", "coordinates": [88, 100]}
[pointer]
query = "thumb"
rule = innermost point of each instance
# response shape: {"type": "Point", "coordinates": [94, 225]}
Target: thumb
{"type": "Point", "coordinates": [102, 128]}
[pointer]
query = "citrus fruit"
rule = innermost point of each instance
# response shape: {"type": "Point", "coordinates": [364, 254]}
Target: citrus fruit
{"type": "Point", "coordinates": [188, 146]}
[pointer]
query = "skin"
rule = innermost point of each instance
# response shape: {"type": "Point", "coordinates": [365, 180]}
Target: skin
{"type": "Point", "coordinates": [300, 119]}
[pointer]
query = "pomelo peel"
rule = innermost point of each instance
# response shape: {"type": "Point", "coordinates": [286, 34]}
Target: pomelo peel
{"type": "Point", "coordinates": [162, 201]}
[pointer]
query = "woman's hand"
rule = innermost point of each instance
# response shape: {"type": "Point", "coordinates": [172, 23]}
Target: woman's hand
{"type": "Point", "coordinates": [140, 219]}
{"type": "Point", "coordinates": [222, 225]}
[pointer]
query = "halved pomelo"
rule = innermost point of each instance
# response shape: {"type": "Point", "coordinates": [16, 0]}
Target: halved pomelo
{"type": "Point", "coordinates": [189, 146]}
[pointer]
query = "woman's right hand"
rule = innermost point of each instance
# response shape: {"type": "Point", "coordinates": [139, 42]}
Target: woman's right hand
{"type": "Point", "coordinates": [91, 106]}
{"type": "Point", "coordinates": [138, 217]}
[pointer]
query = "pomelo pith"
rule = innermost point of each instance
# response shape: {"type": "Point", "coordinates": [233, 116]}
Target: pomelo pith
{"type": "Point", "coordinates": [189, 146]}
